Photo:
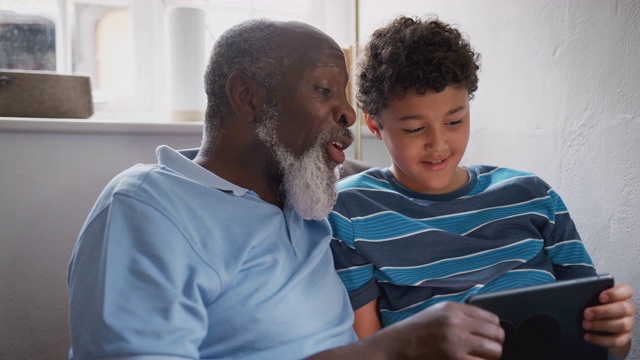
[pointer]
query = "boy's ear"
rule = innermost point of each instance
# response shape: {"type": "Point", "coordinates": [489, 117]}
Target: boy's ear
{"type": "Point", "coordinates": [371, 124]}
{"type": "Point", "coordinates": [244, 95]}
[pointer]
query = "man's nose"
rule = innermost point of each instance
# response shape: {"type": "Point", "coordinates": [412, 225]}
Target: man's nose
{"type": "Point", "coordinates": [345, 114]}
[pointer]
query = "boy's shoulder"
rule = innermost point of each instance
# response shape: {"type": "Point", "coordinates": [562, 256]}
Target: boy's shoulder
{"type": "Point", "coordinates": [499, 172]}
{"type": "Point", "coordinates": [493, 170]}
{"type": "Point", "coordinates": [370, 179]}
{"type": "Point", "coordinates": [496, 178]}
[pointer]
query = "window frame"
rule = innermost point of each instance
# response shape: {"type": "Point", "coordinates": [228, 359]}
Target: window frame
{"type": "Point", "coordinates": [151, 73]}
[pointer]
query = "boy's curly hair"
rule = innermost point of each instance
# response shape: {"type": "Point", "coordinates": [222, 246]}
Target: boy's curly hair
{"type": "Point", "coordinates": [410, 53]}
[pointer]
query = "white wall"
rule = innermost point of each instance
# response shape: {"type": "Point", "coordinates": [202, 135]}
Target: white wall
{"type": "Point", "coordinates": [48, 184]}
{"type": "Point", "coordinates": [559, 95]}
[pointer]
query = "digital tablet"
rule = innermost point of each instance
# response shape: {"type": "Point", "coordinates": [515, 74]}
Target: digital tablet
{"type": "Point", "coordinates": [545, 321]}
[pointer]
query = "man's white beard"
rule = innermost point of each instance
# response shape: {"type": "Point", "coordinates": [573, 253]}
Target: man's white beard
{"type": "Point", "coordinates": [309, 185]}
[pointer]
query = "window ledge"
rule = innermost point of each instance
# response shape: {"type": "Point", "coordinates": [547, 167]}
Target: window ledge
{"type": "Point", "coordinates": [40, 125]}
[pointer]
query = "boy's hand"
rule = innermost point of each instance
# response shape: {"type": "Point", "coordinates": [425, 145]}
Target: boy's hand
{"type": "Point", "coordinates": [615, 316]}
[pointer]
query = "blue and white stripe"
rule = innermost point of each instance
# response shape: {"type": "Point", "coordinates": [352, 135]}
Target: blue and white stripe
{"type": "Point", "coordinates": [504, 229]}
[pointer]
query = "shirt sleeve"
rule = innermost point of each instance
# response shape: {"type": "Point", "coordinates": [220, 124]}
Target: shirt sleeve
{"type": "Point", "coordinates": [133, 288]}
{"type": "Point", "coordinates": [355, 270]}
{"type": "Point", "coordinates": [566, 250]}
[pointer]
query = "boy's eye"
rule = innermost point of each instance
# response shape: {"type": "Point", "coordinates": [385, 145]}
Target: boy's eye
{"type": "Point", "coordinates": [323, 91]}
{"type": "Point", "coordinates": [454, 123]}
{"type": "Point", "coordinates": [413, 131]}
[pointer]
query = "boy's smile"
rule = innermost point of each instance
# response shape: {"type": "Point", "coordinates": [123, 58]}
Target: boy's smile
{"type": "Point", "coordinates": [426, 136]}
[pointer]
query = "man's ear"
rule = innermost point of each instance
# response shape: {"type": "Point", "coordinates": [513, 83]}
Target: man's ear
{"type": "Point", "coordinates": [371, 124]}
{"type": "Point", "coordinates": [244, 95]}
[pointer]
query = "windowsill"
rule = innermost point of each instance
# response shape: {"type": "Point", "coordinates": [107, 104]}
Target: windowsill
{"type": "Point", "coordinates": [102, 126]}
{"type": "Point", "coordinates": [107, 126]}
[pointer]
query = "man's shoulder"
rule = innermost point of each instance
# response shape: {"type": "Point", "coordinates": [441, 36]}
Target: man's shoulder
{"type": "Point", "coordinates": [131, 181]}
{"type": "Point", "coordinates": [149, 184]}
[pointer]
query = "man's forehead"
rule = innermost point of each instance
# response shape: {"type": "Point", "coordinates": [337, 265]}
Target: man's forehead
{"type": "Point", "coordinates": [299, 36]}
{"type": "Point", "coordinates": [309, 48]}
{"type": "Point", "coordinates": [327, 57]}
{"type": "Point", "coordinates": [312, 60]}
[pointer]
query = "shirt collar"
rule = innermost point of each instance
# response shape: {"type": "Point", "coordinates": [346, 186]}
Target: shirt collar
{"type": "Point", "coordinates": [181, 162]}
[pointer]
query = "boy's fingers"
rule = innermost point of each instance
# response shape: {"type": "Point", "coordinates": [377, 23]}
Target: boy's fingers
{"type": "Point", "coordinates": [616, 326]}
{"type": "Point", "coordinates": [608, 341]}
{"type": "Point", "coordinates": [614, 310]}
{"type": "Point", "coordinates": [616, 293]}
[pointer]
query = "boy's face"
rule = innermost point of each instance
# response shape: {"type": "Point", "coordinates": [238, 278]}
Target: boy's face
{"type": "Point", "coordinates": [426, 136]}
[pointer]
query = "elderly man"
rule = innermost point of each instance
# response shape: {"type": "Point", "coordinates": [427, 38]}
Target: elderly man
{"type": "Point", "coordinates": [224, 252]}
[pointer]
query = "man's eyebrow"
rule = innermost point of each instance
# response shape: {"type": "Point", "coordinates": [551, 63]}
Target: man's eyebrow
{"type": "Point", "coordinates": [327, 64]}
{"type": "Point", "coordinates": [332, 65]}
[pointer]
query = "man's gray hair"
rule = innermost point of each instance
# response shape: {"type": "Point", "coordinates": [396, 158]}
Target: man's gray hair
{"type": "Point", "coordinates": [252, 48]}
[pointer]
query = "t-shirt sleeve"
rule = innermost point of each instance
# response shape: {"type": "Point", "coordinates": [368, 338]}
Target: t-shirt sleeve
{"type": "Point", "coordinates": [355, 271]}
{"type": "Point", "coordinates": [564, 247]}
{"type": "Point", "coordinates": [133, 288]}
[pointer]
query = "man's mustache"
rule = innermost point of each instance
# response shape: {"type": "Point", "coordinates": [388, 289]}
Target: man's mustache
{"type": "Point", "coordinates": [343, 132]}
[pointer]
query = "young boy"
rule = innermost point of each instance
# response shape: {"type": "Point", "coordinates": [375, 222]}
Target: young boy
{"type": "Point", "coordinates": [427, 230]}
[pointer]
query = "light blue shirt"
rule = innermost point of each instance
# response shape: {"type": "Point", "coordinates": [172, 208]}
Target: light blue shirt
{"type": "Point", "coordinates": [175, 262]}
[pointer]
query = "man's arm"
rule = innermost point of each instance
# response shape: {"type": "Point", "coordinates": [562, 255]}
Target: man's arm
{"type": "Point", "coordinates": [130, 292]}
{"type": "Point", "coordinates": [443, 331]}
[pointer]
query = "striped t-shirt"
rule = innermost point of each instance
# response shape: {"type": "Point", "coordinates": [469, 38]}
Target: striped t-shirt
{"type": "Point", "coordinates": [504, 229]}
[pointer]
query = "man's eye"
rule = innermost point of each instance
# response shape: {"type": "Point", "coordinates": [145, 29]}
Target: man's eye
{"type": "Point", "coordinates": [413, 131]}
{"type": "Point", "coordinates": [454, 123]}
{"type": "Point", "coordinates": [323, 91]}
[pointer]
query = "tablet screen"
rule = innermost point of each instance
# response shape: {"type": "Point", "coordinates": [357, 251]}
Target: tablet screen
{"type": "Point", "coordinates": [544, 321]}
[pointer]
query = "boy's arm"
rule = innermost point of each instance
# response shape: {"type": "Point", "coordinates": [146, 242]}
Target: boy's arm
{"type": "Point", "coordinates": [615, 316]}
{"type": "Point", "coordinates": [563, 245]}
{"type": "Point", "coordinates": [367, 320]}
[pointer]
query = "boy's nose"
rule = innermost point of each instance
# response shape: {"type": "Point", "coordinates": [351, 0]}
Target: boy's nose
{"type": "Point", "coordinates": [436, 139]}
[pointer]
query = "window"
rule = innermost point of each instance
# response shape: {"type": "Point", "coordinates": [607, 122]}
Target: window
{"type": "Point", "coordinates": [27, 42]}
{"type": "Point", "coordinates": [145, 58]}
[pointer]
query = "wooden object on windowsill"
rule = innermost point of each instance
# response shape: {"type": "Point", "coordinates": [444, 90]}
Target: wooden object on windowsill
{"type": "Point", "coordinates": [36, 94]}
